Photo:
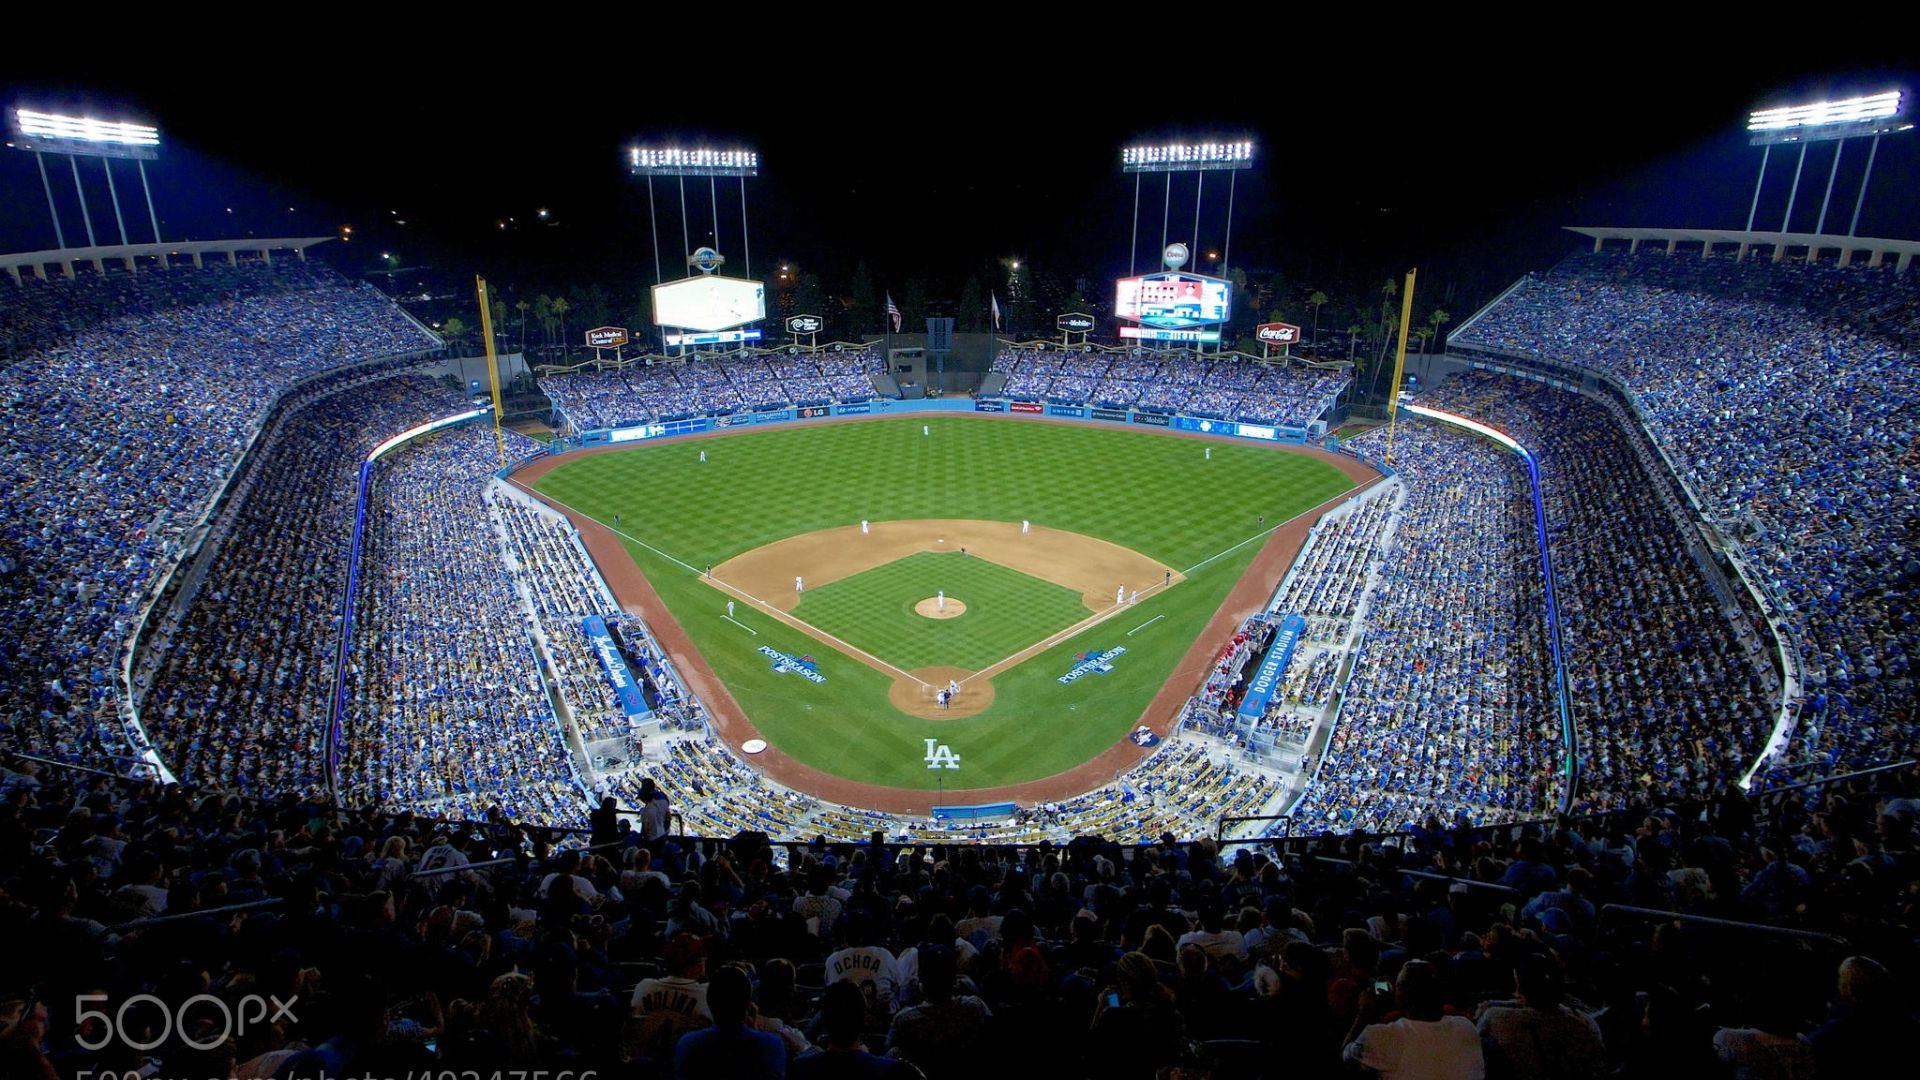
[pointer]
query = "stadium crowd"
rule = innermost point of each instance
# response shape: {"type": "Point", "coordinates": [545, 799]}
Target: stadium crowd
{"type": "Point", "coordinates": [1784, 395]}
{"type": "Point", "coordinates": [444, 704]}
{"type": "Point", "coordinates": [1449, 710]}
{"type": "Point", "coordinates": [616, 397]}
{"type": "Point", "coordinates": [1217, 388]}
{"type": "Point", "coordinates": [120, 425]}
{"type": "Point", "coordinates": [1501, 952]}
{"type": "Point", "coordinates": [235, 689]}
{"type": "Point", "coordinates": [1665, 690]}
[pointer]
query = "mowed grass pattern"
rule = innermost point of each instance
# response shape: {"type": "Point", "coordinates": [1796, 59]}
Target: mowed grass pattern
{"type": "Point", "coordinates": [1006, 611]}
{"type": "Point", "coordinates": [1156, 494]}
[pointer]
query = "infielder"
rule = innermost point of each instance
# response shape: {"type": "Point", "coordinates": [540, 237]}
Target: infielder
{"type": "Point", "coordinates": [863, 526]}
{"type": "Point", "coordinates": [799, 585]}
{"type": "Point", "coordinates": [1025, 527]}
{"type": "Point", "coordinates": [729, 609]}
{"type": "Point", "coordinates": [1120, 595]}
{"type": "Point", "coordinates": [953, 688]}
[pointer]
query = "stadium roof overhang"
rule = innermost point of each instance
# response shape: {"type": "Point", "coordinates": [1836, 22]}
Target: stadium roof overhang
{"type": "Point", "coordinates": [35, 263]}
{"type": "Point", "coordinates": [1778, 243]}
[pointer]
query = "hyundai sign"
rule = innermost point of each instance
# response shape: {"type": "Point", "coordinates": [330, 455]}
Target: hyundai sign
{"type": "Point", "coordinates": [1277, 333]}
{"type": "Point", "coordinates": [606, 337]}
{"type": "Point", "coordinates": [805, 324]}
{"type": "Point", "coordinates": [1073, 322]}
{"type": "Point", "coordinates": [1173, 301]}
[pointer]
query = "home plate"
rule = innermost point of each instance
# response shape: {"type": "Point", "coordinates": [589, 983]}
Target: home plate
{"type": "Point", "coordinates": [753, 746]}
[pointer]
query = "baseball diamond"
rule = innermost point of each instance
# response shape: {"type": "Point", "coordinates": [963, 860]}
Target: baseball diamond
{"type": "Point", "coordinates": [1140, 513]}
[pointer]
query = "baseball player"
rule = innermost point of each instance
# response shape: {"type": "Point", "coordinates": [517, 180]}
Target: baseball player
{"type": "Point", "coordinates": [799, 585]}
{"type": "Point", "coordinates": [1120, 595]}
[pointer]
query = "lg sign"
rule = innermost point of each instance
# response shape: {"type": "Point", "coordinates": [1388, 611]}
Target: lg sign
{"type": "Point", "coordinates": [1278, 333]}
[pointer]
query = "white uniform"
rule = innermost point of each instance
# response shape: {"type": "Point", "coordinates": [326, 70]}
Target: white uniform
{"type": "Point", "coordinates": [1025, 527]}
{"type": "Point", "coordinates": [703, 455]}
{"type": "Point", "coordinates": [1120, 595]}
{"type": "Point", "coordinates": [1209, 453]}
{"type": "Point", "coordinates": [729, 609]}
{"type": "Point", "coordinates": [924, 430]}
{"type": "Point", "coordinates": [863, 526]}
{"type": "Point", "coordinates": [943, 600]}
{"type": "Point", "coordinates": [799, 585]}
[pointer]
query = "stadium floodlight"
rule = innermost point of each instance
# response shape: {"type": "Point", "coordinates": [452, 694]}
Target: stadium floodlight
{"type": "Point", "coordinates": [42, 133]}
{"type": "Point", "coordinates": [52, 133]}
{"type": "Point", "coordinates": [1871, 114]}
{"type": "Point", "coordinates": [691, 161]}
{"type": "Point", "coordinates": [1188, 157]}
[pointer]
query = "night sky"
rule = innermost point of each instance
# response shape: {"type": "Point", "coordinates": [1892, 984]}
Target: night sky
{"type": "Point", "coordinates": [935, 158]}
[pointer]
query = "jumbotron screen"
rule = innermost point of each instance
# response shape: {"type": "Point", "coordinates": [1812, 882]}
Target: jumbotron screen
{"type": "Point", "coordinates": [709, 302]}
{"type": "Point", "coordinates": [1173, 300]}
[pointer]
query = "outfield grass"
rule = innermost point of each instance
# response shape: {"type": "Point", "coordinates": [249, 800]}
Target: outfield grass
{"type": "Point", "coordinates": [1156, 494]}
{"type": "Point", "coordinates": [1006, 611]}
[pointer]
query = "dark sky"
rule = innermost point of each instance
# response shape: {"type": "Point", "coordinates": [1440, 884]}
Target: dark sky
{"type": "Point", "coordinates": [933, 155]}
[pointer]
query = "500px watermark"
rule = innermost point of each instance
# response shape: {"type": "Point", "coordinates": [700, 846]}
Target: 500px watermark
{"type": "Point", "coordinates": [227, 1020]}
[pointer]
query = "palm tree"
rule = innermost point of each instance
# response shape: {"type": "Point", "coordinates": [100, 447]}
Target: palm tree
{"type": "Point", "coordinates": [455, 331]}
{"type": "Point", "coordinates": [1354, 330]}
{"type": "Point", "coordinates": [500, 324]}
{"type": "Point", "coordinates": [521, 306]}
{"type": "Point", "coordinates": [543, 314]}
{"type": "Point", "coordinates": [1435, 321]}
{"type": "Point", "coordinates": [1314, 301]}
{"type": "Point", "coordinates": [560, 309]}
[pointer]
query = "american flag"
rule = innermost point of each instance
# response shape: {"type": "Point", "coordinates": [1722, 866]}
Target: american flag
{"type": "Point", "coordinates": [995, 301]}
{"type": "Point", "coordinates": [893, 312]}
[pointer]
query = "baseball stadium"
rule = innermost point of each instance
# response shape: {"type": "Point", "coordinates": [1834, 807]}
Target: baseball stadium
{"type": "Point", "coordinates": [1120, 673]}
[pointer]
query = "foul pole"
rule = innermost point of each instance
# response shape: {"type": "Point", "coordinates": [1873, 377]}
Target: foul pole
{"type": "Point", "coordinates": [493, 362]}
{"type": "Point", "coordinates": [1399, 361]}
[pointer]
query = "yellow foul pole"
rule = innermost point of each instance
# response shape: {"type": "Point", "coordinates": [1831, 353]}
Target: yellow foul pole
{"type": "Point", "coordinates": [1399, 361]}
{"type": "Point", "coordinates": [493, 361]}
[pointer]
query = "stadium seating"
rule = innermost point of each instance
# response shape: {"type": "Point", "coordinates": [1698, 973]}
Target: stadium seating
{"type": "Point", "coordinates": [608, 398]}
{"type": "Point", "coordinates": [1223, 389]}
{"type": "Point", "coordinates": [398, 943]}
{"type": "Point", "coordinates": [1784, 395]}
{"type": "Point", "coordinates": [121, 425]}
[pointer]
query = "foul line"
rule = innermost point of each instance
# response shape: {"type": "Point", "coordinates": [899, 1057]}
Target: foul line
{"type": "Point", "coordinates": [609, 528]}
{"type": "Point", "coordinates": [1144, 625]}
{"type": "Point", "coordinates": [741, 625]}
{"type": "Point", "coordinates": [851, 650]}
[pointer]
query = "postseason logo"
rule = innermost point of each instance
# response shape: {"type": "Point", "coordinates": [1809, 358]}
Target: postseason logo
{"type": "Point", "coordinates": [1091, 662]}
{"type": "Point", "coordinates": [802, 666]}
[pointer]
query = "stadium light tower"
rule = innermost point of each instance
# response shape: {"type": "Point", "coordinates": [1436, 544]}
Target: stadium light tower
{"type": "Point", "coordinates": [1872, 115]}
{"type": "Point", "coordinates": [81, 136]}
{"type": "Point", "coordinates": [1201, 158]}
{"type": "Point", "coordinates": [680, 162]}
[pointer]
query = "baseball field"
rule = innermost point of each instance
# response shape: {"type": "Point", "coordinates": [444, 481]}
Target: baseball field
{"type": "Point", "coordinates": [837, 577]}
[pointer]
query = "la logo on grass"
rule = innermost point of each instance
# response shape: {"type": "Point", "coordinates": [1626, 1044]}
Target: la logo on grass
{"type": "Point", "coordinates": [941, 756]}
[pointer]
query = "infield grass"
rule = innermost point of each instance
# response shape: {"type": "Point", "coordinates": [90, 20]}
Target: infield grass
{"type": "Point", "coordinates": [1006, 611]}
{"type": "Point", "coordinates": [1156, 494]}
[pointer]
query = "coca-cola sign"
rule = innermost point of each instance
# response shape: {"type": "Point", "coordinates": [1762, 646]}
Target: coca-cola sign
{"type": "Point", "coordinates": [1277, 333]}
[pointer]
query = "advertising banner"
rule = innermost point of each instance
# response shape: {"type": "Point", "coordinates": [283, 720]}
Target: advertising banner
{"type": "Point", "coordinates": [853, 409]}
{"type": "Point", "coordinates": [1266, 679]}
{"type": "Point", "coordinates": [1150, 419]}
{"type": "Point", "coordinates": [989, 406]}
{"type": "Point", "coordinates": [1118, 416]}
{"type": "Point", "coordinates": [632, 702]}
{"type": "Point", "coordinates": [1024, 407]}
{"type": "Point", "coordinates": [1067, 410]}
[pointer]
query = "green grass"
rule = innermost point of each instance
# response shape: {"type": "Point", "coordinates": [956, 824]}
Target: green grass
{"type": "Point", "coordinates": [1155, 494]}
{"type": "Point", "coordinates": [1006, 611]}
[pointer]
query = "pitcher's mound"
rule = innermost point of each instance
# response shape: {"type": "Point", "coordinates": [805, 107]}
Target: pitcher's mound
{"type": "Point", "coordinates": [930, 607]}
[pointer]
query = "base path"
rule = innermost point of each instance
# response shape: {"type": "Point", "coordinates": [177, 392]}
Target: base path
{"type": "Point", "coordinates": [1093, 566]}
{"type": "Point", "coordinates": [635, 594]}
